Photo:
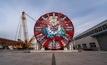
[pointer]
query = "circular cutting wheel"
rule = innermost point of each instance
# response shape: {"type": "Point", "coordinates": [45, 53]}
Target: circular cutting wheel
{"type": "Point", "coordinates": [53, 30]}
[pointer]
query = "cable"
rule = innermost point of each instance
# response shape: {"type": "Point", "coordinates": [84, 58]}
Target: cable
{"type": "Point", "coordinates": [30, 17]}
{"type": "Point", "coordinates": [17, 31]}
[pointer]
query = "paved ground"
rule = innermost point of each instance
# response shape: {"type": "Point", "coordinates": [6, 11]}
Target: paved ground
{"type": "Point", "coordinates": [74, 58]}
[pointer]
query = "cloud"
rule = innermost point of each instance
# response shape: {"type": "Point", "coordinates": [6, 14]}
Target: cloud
{"type": "Point", "coordinates": [84, 14]}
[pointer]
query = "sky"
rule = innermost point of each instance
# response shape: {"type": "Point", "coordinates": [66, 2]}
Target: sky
{"type": "Point", "coordinates": [84, 14]}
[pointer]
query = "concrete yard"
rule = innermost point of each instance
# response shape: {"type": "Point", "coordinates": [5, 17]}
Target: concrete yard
{"type": "Point", "coordinates": [46, 58]}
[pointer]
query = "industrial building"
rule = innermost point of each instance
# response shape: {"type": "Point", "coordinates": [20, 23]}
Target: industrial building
{"type": "Point", "coordinates": [94, 38]}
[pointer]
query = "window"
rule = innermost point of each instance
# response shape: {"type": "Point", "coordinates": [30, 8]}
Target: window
{"type": "Point", "coordinates": [92, 31]}
{"type": "Point", "coordinates": [84, 46]}
{"type": "Point", "coordinates": [79, 46]}
{"type": "Point", "coordinates": [96, 30]}
{"type": "Point", "coordinates": [92, 44]}
{"type": "Point", "coordinates": [104, 27]}
{"type": "Point", "coordinates": [99, 29]}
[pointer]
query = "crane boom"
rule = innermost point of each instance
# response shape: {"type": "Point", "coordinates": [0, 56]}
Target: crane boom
{"type": "Point", "coordinates": [25, 30]}
{"type": "Point", "coordinates": [32, 39]}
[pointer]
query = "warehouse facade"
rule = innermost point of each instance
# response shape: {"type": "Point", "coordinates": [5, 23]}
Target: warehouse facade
{"type": "Point", "coordinates": [94, 38]}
